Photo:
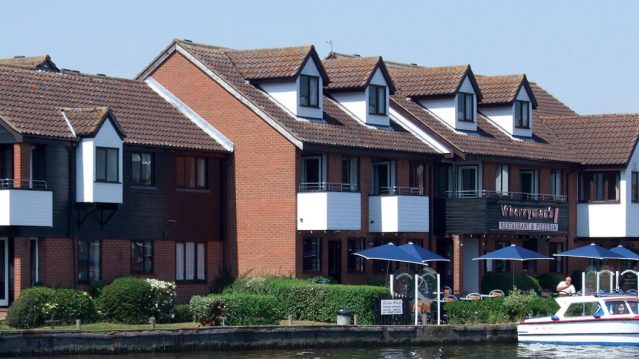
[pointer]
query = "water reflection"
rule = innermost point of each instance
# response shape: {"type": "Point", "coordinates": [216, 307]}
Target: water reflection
{"type": "Point", "coordinates": [502, 351]}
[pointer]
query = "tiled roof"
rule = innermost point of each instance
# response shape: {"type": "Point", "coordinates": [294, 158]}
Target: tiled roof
{"type": "Point", "coordinates": [32, 63]}
{"type": "Point", "coordinates": [548, 105]}
{"type": "Point", "coordinates": [339, 127]}
{"type": "Point", "coordinates": [86, 121]}
{"type": "Point", "coordinates": [31, 103]}
{"type": "Point", "coordinates": [264, 64]}
{"type": "Point", "coordinates": [499, 90]}
{"type": "Point", "coordinates": [489, 140]}
{"type": "Point", "coordinates": [598, 139]}
{"type": "Point", "coordinates": [350, 72]}
{"type": "Point", "coordinates": [418, 81]}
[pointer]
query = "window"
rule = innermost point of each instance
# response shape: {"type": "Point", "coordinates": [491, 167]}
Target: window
{"type": "Point", "coordinates": [377, 100]}
{"type": "Point", "coordinates": [313, 176]}
{"type": "Point", "coordinates": [312, 247]}
{"type": "Point", "coordinates": [501, 266]}
{"type": "Point", "coordinates": [443, 181]}
{"type": "Point", "coordinates": [522, 114]}
{"type": "Point", "coordinates": [556, 265]}
{"type": "Point", "coordinates": [88, 260]}
{"type": "Point", "coordinates": [635, 183]}
{"type": "Point", "coordinates": [599, 186]}
{"type": "Point", "coordinates": [190, 261]}
{"type": "Point", "coordinates": [555, 182]}
{"type": "Point", "coordinates": [580, 310]}
{"type": "Point", "coordinates": [191, 172]}
{"type": "Point", "coordinates": [416, 176]}
{"type": "Point", "coordinates": [35, 262]}
{"type": "Point", "coordinates": [465, 107]}
{"type": "Point", "coordinates": [355, 263]}
{"type": "Point", "coordinates": [106, 164]}
{"type": "Point", "coordinates": [529, 182]}
{"type": "Point", "coordinates": [142, 169]}
{"type": "Point", "coordinates": [349, 174]}
{"type": "Point", "coordinates": [501, 179]}
{"type": "Point", "coordinates": [468, 181]}
{"type": "Point", "coordinates": [309, 91]}
{"type": "Point", "coordinates": [383, 177]}
{"type": "Point", "coordinates": [141, 256]}
{"type": "Point", "coordinates": [530, 266]}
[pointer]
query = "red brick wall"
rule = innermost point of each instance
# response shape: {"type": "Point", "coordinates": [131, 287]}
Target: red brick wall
{"type": "Point", "coordinates": [21, 265]}
{"type": "Point", "coordinates": [57, 260]}
{"type": "Point", "coordinates": [262, 193]}
{"type": "Point", "coordinates": [116, 258]}
{"type": "Point", "coordinates": [21, 162]}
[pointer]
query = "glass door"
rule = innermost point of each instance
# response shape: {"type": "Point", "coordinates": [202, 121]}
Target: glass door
{"type": "Point", "coordinates": [4, 272]}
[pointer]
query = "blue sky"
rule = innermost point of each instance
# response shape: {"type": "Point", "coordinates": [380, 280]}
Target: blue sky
{"type": "Point", "coordinates": [584, 52]}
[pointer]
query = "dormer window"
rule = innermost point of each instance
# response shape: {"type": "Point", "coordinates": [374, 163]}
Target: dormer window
{"type": "Point", "coordinates": [106, 164]}
{"type": "Point", "coordinates": [377, 100]}
{"type": "Point", "coordinates": [465, 107]}
{"type": "Point", "coordinates": [522, 114]}
{"type": "Point", "coordinates": [309, 91]}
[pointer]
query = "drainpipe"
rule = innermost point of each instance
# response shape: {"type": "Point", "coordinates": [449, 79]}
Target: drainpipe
{"type": "Point", "coordinates": [224, 164]}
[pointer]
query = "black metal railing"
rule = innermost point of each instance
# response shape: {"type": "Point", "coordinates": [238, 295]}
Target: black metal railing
{"type": "Point", "coordinates": [10, 183]}
{"type": "Point", "coordinates": [398, 191]}
{"type": "Point", "coordinates": [327, 187]}
{"type": "Point", "coordinates": [543, 197]}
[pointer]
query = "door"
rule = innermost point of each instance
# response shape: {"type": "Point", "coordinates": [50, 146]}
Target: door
{"type": "Point", "coordinates": [528, 183]}
{"type": "Point", "coordinates": [4, 272]}
{"type": "Point", "coordinates": [335, 260]}
{"type": "Point", "coordinates": [471, 267]}
{"type": "Point", "coordinates": [468, 181]}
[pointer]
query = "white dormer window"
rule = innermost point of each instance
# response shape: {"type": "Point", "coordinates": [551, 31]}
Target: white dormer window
{"type": "Point", "coordinates": [465, 107]}
{"type": "Point", "coordinates": [522, 114]}
{"type": "Point", "coordinates": [309, 91]}
{"type": "Point", "coordinates": [377, 100]}
{"type": "Point", "coordinates": [107, 164]}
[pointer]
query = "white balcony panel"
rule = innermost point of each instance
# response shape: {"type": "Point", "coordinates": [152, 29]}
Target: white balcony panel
{"type": "Point", "coordinates": [398, 214]}
{"type": "Point", "coordinates": [338, 211]}
{"type": "Point", "coordinates": [26, 208]}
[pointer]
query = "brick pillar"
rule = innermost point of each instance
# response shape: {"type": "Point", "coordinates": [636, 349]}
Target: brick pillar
{"type": "Point", "coordinates": [334, 170]}
{"type": "Point", "coordinates": [458, 264]}
{"type": "Point", "coordinates": [21, 162]}
{"type": "Point", "coordinates": [21, 265]}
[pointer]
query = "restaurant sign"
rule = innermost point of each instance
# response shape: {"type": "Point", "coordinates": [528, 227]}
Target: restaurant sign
{"type": "Point", "coordinates": [519, 218]}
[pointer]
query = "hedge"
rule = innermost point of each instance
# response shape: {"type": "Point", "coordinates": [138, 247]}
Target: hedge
{"type": "Point", "coordinates": [504, 281]}
{"type": "Point", "coordinates": [36, 305]}
{"type": "Point", "coordinates": [305, 300]}
{"type": "Point", "coordinates": [509, 309]}
{"type": "Point", "coordinates": [235, 309]}
{"type": "Point", "coordinates": [548, 281]}
{"type": "Point", "coordinates": [126, 300]}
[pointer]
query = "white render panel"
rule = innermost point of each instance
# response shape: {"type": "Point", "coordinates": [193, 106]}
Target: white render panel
{"type": "Point", "coordinates": [601, 220]}
{"type": "Point", "coordinates": [354, 102]}
{"type": "Point", "coordinates": [26, 208]}
{"type": "Point", "coordinates": [502, 116]}
{"type": "Point", "coordinates": [310, 68]}
{"type": "Point", "coordinates": [87, 189]}
{"type": "Point", "coordinates": [632, 208]}
{"type": "Point", "coordinates": [329, 211]}
{"type": "Point", "coordinates": [523, 132]}
{"type": "Point", "coordinates": [284, 92]}
{"type": "Point", "coordinates": [398, 214]}
{"type": "Point", "coordinates": [418, 132]}
{"type": "Point", "coordinates": [442, 107]}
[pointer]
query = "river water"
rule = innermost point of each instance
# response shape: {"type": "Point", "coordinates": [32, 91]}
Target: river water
{"type": "Point", "coordinates": [500, 351]}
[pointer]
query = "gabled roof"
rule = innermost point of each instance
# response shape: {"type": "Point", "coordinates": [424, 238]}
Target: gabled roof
{"type": "Point", "coordinates": [87, 121]}
{"type": "Point", "coordinates": [419, 81]}
{"type": "Point", "coordinates": [503, 90]}
{"type": "Point", "coordinates": [548, 105]}
{"type": "Point", "coordinates": [42, 62]}
{"type": "Point", "coordinates": [338, 127]}
{"type": "Point", "coordinates": [353, 72]}
{"type": "Point", "coordinates": [280, 63]}
{"type": "Point", "coordinates": [608, 139]}
{"type": "Point", "coordinates": [31, 103]}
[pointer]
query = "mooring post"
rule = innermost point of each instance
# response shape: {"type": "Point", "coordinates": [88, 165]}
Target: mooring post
{"type": "Point", "coordinates": [355, 319]}
{"type": "Point", "coordinates": [152, 322]}
{"type": "Point", "coordinates": [78, 324]}
{"type": "Point", "coordinates": [290, 320]}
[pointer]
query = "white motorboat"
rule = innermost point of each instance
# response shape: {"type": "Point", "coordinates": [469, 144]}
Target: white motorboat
{"type": "Point", "coordinates": [600, 320]}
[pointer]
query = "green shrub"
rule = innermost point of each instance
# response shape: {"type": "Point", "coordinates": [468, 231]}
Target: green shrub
{"type": "Point", "coordinates": [162, 300]}
{"type": "Point", "coordinates": [237, 309]}
{"type": "Point", "coordinates": [126, 300]}
{"type": "Point", "coordinates": [315, 302]}
{"type": "Point", "coordinates": [223, 280]}
{"type": "Point", "coordinates": [548, 281]}
{"type": "Point", "coordinates": [37, 305]}
{"type": "Point", "coordinates": [512, 308]}
{"type": "Point", "coordinates": [504, 281]}
{"type": "Point", "coordinates": [183, 313]}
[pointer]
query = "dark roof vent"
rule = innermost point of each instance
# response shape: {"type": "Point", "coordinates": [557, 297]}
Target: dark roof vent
{"type": "Point", "coordinates": [103, 75]}
{"type": "Point", "coordinates": [19, 57]}
{"type": "Point", "coordinates": [357, 55]}
{"type": "Point", "coordinates": [187, 40]}
{"type": "Point", "coordinates": [69, 70]}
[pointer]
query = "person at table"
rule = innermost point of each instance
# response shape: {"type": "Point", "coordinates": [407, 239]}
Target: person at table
{"type": "Point", "coordinates": [565, 287]}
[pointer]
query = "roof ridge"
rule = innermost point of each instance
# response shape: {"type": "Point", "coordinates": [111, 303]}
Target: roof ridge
{"type": "Point", "coordinates": [68, 72]}
{"type": "Point", "coordinates": [189, 42]}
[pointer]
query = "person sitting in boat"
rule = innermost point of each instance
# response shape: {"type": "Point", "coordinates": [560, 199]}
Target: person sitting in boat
{"type": "Point", "coordinates": [565, 287]}
{"type": "Point", "coordinates": [617, 308]}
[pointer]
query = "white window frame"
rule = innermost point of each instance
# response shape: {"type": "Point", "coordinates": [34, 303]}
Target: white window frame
{"type": "Point", "coordinates": [535, 178]}
{"type": "Point", "coordinates": [198, 260]}
{"type": "Point", "coordinates": [390, 175]}
{"type": "Point", "coordinates": [501, 179]}
{"type": "Point", "coordinates": [460, 178]}
{"type": "Point", "coordinates": [555, 182]}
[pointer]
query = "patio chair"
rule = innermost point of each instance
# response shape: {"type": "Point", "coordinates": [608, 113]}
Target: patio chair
{"type": "Point", "coordinates": [473, 296]}
{"type": "Point", "coordinates": [631, 292]}
{"type": "Point", "coordinates": [450, 298]}
{"type": "Point", "coordinates": [496, 293]}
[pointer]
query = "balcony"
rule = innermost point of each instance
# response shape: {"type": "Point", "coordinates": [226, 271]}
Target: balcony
{"type": "Point", "coordinates": [398, 209]}
{"type": "Point", "coordinates": [482, 212]}
{"type": "Point", "coordinates": [25, 203]}
{"type": "Point", "coordinates": [329, 207]}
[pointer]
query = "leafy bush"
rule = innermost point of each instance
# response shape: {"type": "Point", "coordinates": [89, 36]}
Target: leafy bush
{"type": "Point", "coordinates": [183, 313]}
{"type": "Point", "coordinates": [37, 305]}
{"type": "Point", "coordinates": [512, 308]}
{"type": "Point", "coordinates": [162, 299]}
{"type": "Point", "coordinates": [316, 302]}
{"type": "Point", "coordinates": [504, 281]}
{"type": "Point", "coordinates": [548, 281]}
{"type": "Point", "coordinates": [237, 309]}
{"type": "Point", "coordinates": [223, 280]}
{"type": "Point", "coordinates": [377, 281]}
{"type": "Point", "coordinates": [126, 300]}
